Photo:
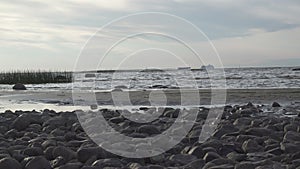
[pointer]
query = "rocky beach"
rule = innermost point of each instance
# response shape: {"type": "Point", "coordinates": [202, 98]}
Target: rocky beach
{"type": "Point", "coordinates": [248, 137]}
{"type": "Point", "coordinates": [50, 126]}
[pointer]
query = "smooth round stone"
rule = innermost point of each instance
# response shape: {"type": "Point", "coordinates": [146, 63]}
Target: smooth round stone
{"type": "Point", "coordinates": [195, 164]}
{"type": "Point", "coordinates": [19, 86]}
{"type": "Point", "coordinates": [9, 163]}
{"type": "Point", "coordinates": [290, 147]}
{"type": "Point", "coordinates": [259, 132]}
{"type": "Point", "coordinates": [59, 161]}
{"type": "Point", "coordinates": [182, 159]}
{"type": "Point", "coordinates": [197, 151]}
{"type": "Point", "coordinates": [65, 152]}
{"type": "Point", "coordinates": [33, 151]}
{"type": "Point", "coordinates": [84, 154]}
{"type": "Point", "coordinates": [49, 153]}
{"type": "Point", "coordinates": [108, 163]}
{"type": "Point", "coordinates": [211, 156]}
{"type": "Point", "coordinates": [49, 143]}
{"type": "Point", "coordinates": [149, 129]}
{"type": "Point", "coordinates": [71, 166]}
{"type": "Point", "coordinates": [291, 127]}
{"type": "Point", "coordinates": [155, 167]}
{"type": "Point", "coordinates": [251, 146]}
{"type": "Point", "coordinates": [291, 136]}
{"type": "Point", "coordinates": [38, 163]}
{"type": "Point", "coordinates": [245, 165]}
{"type": "Point", "coordinates": [225, 129]}
{"type": "Point", "coordinates": [275, 104]}
{"type": "Point", "coordinates": [236, 157]}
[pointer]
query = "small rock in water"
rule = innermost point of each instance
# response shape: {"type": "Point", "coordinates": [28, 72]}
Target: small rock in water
{"type": "Point", "coordinates": [19, 86]}
{"type": "Point", "coordinates": [275, 104]}
{"type": "Point", "coordinates": [90, 75]}
{"type": "Point", "coordinates": [94, 106]}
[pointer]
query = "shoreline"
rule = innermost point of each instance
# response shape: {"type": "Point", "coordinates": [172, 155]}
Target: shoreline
{"type": "Point", "coordinates": [139, 97]}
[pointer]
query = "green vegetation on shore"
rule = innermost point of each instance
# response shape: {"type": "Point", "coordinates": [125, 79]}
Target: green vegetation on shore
{"type": "Point", "coordinates": [35, 77]}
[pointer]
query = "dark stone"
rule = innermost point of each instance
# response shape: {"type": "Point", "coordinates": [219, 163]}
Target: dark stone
{"type": "Point", "coordinates": [236, 157]}
{"type": "Point", "coordinates": [290, 147]}
{"type": "Point", "coordinates": [275, 104]}
{"type": "Point", "coordinates": [37, 163]}
{"type": "Point", "coordinates": [182, 159]}
{"type": "Point", "coordinates": [197, 151]}
{"type": "Point", "coordinates": [276, 151]}
{"type": "Point", "coordinates": [71, 166]}
{"type": "Point", "coordinates": [296, 69]}
{"type": "Point", "coordinates": [222, 161]}
{"type": "Point", "coordinates": [13, 133]}
{"type": "Point", "coordinates": [251, 146]}
{"type": "Point", "coordinates": [291, 136]}
{"type": "Point", "coordinates": [49, 143]}
{"type": "Point", "coordinates": [245, 165]}
{"type": "Point", "coordinates": [113, 163]}
{"type": "Point", "coordinates": [171, 113]}
{"type": "Point", "coordinates": [195, 164]}
{"type": "Point", "coordinates": [49, 153]}
{"type": "Point", "coordinates": [19, 86]}
{"type": "Point", "coordinates": [24, 120]}
{"type": "Point", "coordinates": [211, 156]}
{"type": "Point", "coordinates": [243, 121]}
{"type": "Point", "coordinates": [59, 161]}
{"type": "Point", "coordinates": [228, 148]}
{"type": "Point", "coordinates": [65, 152]}
{"type": "Point", "coordinates": [117, 120]}
{"type": "Point", "coordinates": [149, 129]}
{"type": "Point", "coordinates": [90, 75]}
{"type": "Point", "coordinates": [248, 111]}
{"type": "Point", "coordinates": [158, 159]}
{"type": "Point", "coordinates": [223, 166]}
{"type": "Point", "coordinates": [83, 154]}
{"type": "Point", "coordinates": [224, 129]}
{"type": "Point", "coordinates": [33, 151]}
{"type": "Point", "coordinates": [290, 127]}
{"type": "Point", "coordinates": [155, 167]}
{"type": "Point", "coordinates": [260, 132]}
{"type": "Point", "coordinates": [9, 163]}
{"type": "Point", "coordinates": [213, 143]}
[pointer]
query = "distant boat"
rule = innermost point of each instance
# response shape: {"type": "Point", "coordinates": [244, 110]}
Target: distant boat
{"type": "Point", "coordinates": [208, 67]}
{"type": "Point", "coordinates": [296, 69]}
{"type": "Point", "coordinates": [184, 68]}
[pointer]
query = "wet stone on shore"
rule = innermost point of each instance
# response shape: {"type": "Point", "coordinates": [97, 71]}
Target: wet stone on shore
{"type": "Point", "coordinates": [247, 137]}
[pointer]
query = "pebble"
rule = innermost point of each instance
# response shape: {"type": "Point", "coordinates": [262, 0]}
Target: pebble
{"type": "Point", "coordinates": [9, 163]}
{"type": "Point", "coordinates": [38, 163]}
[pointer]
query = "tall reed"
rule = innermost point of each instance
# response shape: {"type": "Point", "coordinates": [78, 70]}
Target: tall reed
{"type": "Point", "coordinates": [35, 77]}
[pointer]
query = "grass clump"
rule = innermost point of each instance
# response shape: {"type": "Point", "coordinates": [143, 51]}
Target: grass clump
{"type": "Point", "coordinates": [35, 77]}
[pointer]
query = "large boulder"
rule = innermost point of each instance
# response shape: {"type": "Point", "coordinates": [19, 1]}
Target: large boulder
{"type": "Point", "coordinates": [19, 86]}
{"type": "Point", "coordinates": [24, 120]}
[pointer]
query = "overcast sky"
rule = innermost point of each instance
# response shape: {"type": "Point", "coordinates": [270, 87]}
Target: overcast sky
{"type": "Point", "coordinates": [50, 34]}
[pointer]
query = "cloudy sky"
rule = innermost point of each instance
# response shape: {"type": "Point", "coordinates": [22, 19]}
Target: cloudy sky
{"type": "Point", "coordinates": [50, 35]}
